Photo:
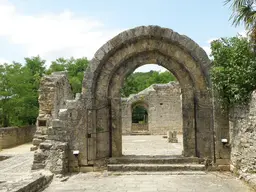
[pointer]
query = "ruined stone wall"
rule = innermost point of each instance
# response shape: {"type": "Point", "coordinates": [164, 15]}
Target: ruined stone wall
{"type": "Point", "coordinates": [139, 127]}
{"type": "Point", "coordinates": [243, 137]}
{"type": "Point", "coordinates": [53, 92]}
{"type": "Point", "coordinates": [164, 108]}
{"type": "Point", "coordinates": [13, 136]}
{"type": "Point", "coordinates": [53, 133]}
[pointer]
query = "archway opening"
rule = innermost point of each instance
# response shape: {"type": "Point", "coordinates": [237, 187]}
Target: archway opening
{"type": "Point", "coordinates": [139, 118]}
{"type": "Point", "coordinates": [151, 113]}
{"type": "Point", "coordinates": [118, 58]}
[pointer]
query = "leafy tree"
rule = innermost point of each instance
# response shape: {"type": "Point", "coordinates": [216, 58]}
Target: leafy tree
{"type": "Point", "coordinates": [75, 69]}
{"type": "Point", "coordinates": [244, 13]}
{"type": "Point", "coordinates": [139, 115]}
{"type": "Point", "coordinates": [36, 68]}
{"type": "Point", "coordinates": [18, 91]}
{"type": "Point", "coordinates": [139, 81]}
{"type": "Point", "coordinates": [58, 65]}
{"type": "Point", "coordinates": [14, 96]}
{"type": "Point", "coordinates": [234, 70]}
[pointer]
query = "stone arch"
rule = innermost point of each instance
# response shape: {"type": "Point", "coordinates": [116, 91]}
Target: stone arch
{"type": "Point", "coordinates": [126, 113]}
{"type": "Point", "coordinates": [121, 56]}
{"type": "Point", "coordinates": [139, 103]}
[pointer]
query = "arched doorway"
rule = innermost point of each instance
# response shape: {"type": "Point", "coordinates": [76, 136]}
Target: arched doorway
{"type": "Point", "coordinates": [121, 56]}
{"type": "Point", "coordinates": [139, 117]}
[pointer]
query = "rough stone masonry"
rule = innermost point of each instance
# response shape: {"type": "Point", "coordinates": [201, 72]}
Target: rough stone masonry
{"type": "Point", "coordinates": [91, 122]}
{"type": "Point", "coordinates": [163, 104]}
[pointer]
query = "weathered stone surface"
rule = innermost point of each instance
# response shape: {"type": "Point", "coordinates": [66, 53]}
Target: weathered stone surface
{"type": "Point", "coordinates": [243, 137]}
{"type": "Point", "coordinates": [53, 92]}
{"type": "Point", "coordinates": [172, 137]}
{"type": "Point", "coordinates": [187, 98]}
{"type": "Point", "coordinates": [140, 44]}
{"type": "Point", "coordinates": [37, 141]}
{"type": "Point", "coordinates": [155, 167]}
{"type": "Point", "coordinates": [166, 182]}
{"type": "Point", "coordinates": [45, 146]}
{"type": "Point", "coordinates": [52, 156]}
{"type": "Point", "coordinates": [16, 174]}
{"type": "Point", "coordinates": [87, 122]}
{"type": "Point", "coordinates": [13, 136]}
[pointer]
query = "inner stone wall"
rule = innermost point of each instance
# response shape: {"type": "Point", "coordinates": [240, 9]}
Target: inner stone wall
{"type": "Point", "coordinates": [137, 127]}
{"type": "Point", "coordinates": [163, 103]}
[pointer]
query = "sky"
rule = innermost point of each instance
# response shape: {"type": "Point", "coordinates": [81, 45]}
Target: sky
{"type": "Point", "coordinates": [65, 28]}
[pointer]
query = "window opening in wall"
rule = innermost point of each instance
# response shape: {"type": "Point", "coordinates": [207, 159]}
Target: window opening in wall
{"type": "Point", "coordinates": [41, 123]}
{"type": "Point", "coordinates": [139, 115]}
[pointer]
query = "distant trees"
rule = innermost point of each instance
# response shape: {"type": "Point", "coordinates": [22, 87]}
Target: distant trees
{"type": "Point", "coordinates": [18, 91]}
{"type": "Point", "coordinates": [139, 81]}
{"type": "Point", "coordinates": [20, 84]}
{"type": "Point", "coordinates": [75, 69]}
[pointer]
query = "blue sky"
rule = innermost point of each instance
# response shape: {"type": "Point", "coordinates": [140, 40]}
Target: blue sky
{"type": "Point", "coordinates": [64, 28]}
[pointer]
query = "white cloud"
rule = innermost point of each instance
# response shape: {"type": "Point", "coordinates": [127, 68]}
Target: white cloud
{"type": "Point", "coordinates": [150, 67]}
{"type": "Point", "coordinates": [212, 39]}
{"type": "Point", "coordinates": [52, 35]}
{"type": "Point", "coordinates": [2, 61]}
{"type": "Point", "coordinates": [207, 49]}
{"type": "Point", "coordinates": [243, 33]}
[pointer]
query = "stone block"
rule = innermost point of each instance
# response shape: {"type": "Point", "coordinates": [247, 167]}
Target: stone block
{"type": "Point", "coordinates": [37, 166]}
{"type": "Point", "coordinates": [56, 123]}
{"type": "Point", "coordinates": [46, 146]}
{"type": "Point", "coordinates": [37, 141]}
{"type": "Point", "coordinates": [86, 169]}
{"type": "Point", "coordinates": [172, 137]}
{"type": "Point", "coordinates": [62, 146]}
{"type": "Point", "coordinates": [222, 161]}
{"type": "Point", "coordinates": [33, 148]}
{"type": "Point", "coordinates": [224, 167]}
{"type": "Point", "coordinates": [40, 156]}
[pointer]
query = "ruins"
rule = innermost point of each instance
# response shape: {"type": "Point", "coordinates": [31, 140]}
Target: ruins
{"type": "Point", "coordinates": [163, 105]}
{"type": "Point", "coordinates": [74, 133]}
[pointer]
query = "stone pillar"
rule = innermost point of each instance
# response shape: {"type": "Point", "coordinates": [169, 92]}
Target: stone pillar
{"type": "Point", "coordinates": [1, 139]}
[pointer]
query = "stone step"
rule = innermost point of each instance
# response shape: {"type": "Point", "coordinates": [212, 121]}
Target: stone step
{"type": "Point", "coordinates": [155, 167]}
{"type": "Point", "coordinates": [140, 133]}
{"type": "Point", "coordinates": [155, 160]}
{"type": "Point", "coordinates": [157, 173]}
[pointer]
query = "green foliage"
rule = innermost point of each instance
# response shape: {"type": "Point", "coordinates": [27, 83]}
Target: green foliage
{"type": "Point", "coordinates": [139, 114]}
{"type": "Point", "coordinates": [20, 84]}
{"type": "Point", "coordinates": [18, 92]}
{"type": "Point", "coordinates": [234, 70]}
{"type": "Point", "coordinates": [75, 69]}
{"type": "Point", "coordinates": [139, 81]}
{"type": "Point", "coordinates": [244, 13]}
